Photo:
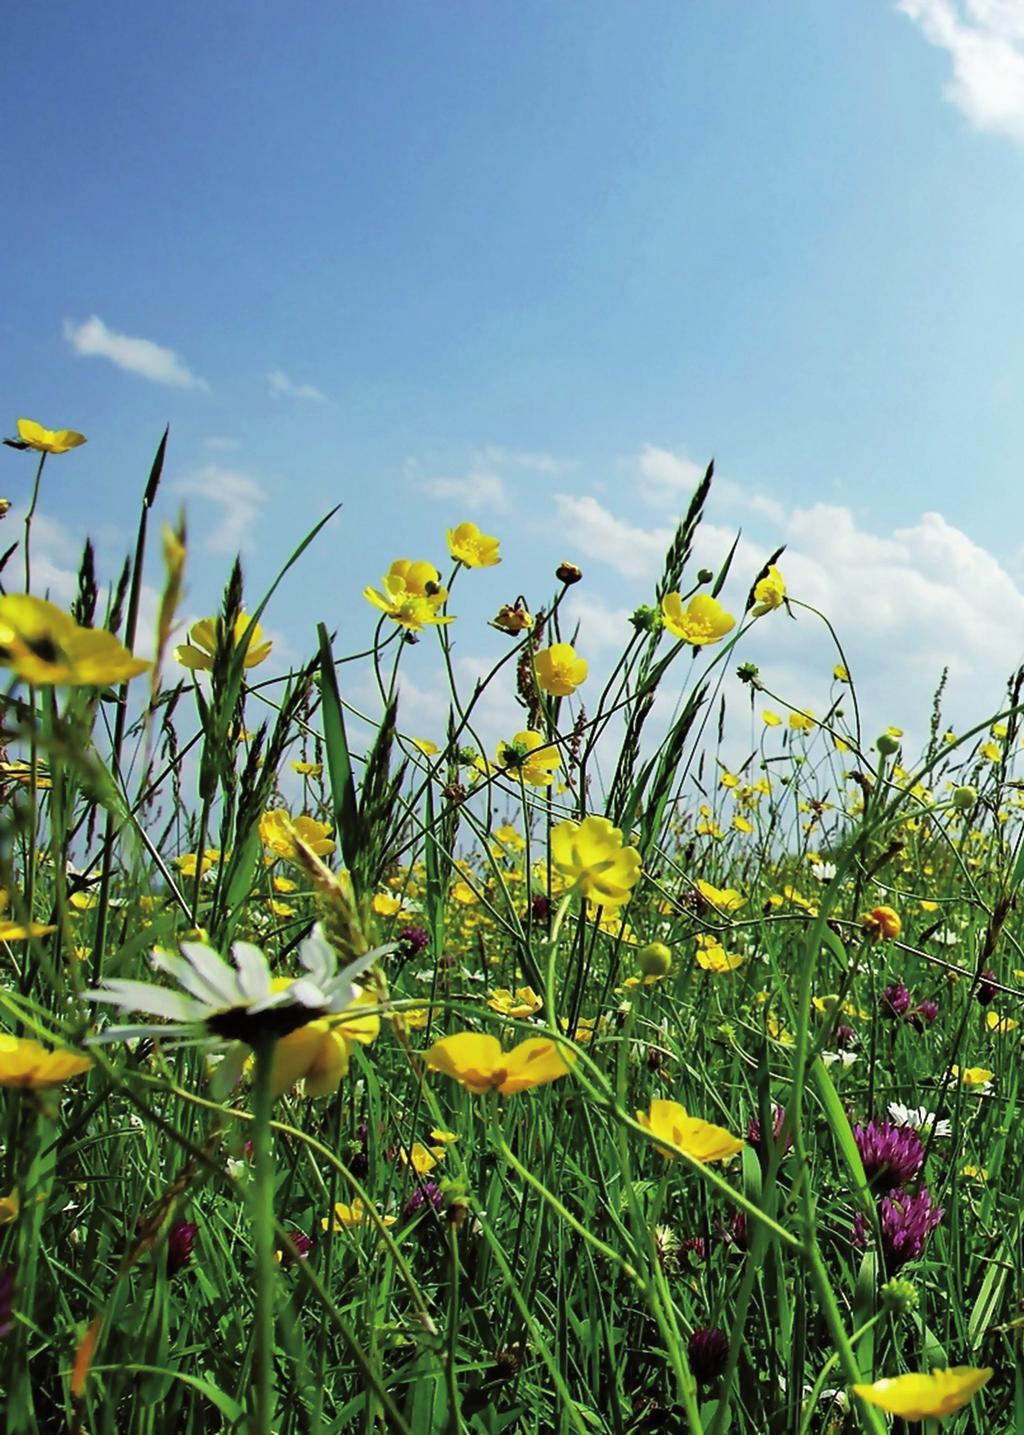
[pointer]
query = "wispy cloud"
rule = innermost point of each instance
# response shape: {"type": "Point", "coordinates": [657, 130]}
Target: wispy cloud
{"type": "Point", "coordinates": [221, 445]}
{"type": "Point", "coordinates": [476, 490]}
{"type": "Point", "coordinates": [92, 339]}
{"type": "Point", "coordinates": [985, 41]}
{"type": "Point", "coordinates": [239, 496]}
{"type": "Point", "coordinates": [282, 387]}
{"type": "Point", "coordinates": [532, 462]}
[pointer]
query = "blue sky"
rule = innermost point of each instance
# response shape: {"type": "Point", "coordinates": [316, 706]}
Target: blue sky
{"type": "Point", "coordinates": [533, 264]}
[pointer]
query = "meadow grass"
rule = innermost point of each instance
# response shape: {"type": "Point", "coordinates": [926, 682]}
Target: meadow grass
{"type": "Point", "coordinates": [320, 1215]}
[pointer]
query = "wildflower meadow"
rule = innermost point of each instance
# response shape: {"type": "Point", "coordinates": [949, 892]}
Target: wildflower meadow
{"type": "Point", "coordinates": [654, 1068]}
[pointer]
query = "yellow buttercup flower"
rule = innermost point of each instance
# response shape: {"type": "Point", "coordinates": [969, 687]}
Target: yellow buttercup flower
{"type": "Point", "coordinates": [704, 620]}
{"type": "Point", "coordinates": [670, 1123]}
{"type": "Point", "coordinates": [530, 755]}
{"type": "Point", "coordinates": [45, 646]}
{"type": "Point", "coordinates": [972, 1075]}
{"type": "Point", "coordinates": [48, 440]}
{"type": "Point", "coordinates": [413, 595]}
{"type": "Point", "coordinates": [723, 899]}
{"type": "Point", "coordinates": [592, 857]}
{"type": "Point", "coordinates": [478, 1062]}
{"type": "Point", "coordinates": [346, 1217]}
{"type": "Point", "coordinates": [716, 959]}
{"type": "Point", "coordinates": [559, 670]}
{"type": "Point", "coordinates": [769, 592]}
{"type": "Point", "coordinates": [1001, 1025]}
{"type": "Point", "coordinates": [278, 832]}
{"type": "Point", "coordinates": [10, 1208]}
{"type": "Point", "coordinates": [318, 1053]}
{"type": "Point", "coordinates": [22, 931]}
{"type": "Point", "coordinates": [468, 545]}
{"type": "Point", "coordinates": [199, 652]}
{"type": "Point", "coordinates": [882, 922]}
{"type": "Point", "coordinates": [926, 1397]}
{"type": "Point", "coordinates": [771, 719]}
{"type": "Point", "coordinates": [523, 1004]}
{"type": "Point", "coordinates": [419, 1158]}
{"type": "Point", "coordinates": [801, 721]}
{"type": "Point", "coordinates": [29, 1065]}
{"type": "Point", "coordinates": [510, 838]}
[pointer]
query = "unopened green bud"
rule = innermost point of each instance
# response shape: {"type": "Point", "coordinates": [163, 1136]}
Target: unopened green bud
{"type": "Point", "coordinates": [646, 619]}
{"type": "Point", "coordinates": [655, 959]}
{"type": "Point", "coordinates": [887, 744]}
{"type": "Point", "coordinates": [705, 575]}
{"type": "Point", "coordinates": [899, 1296]}
{"type": "Point", "coordinates": [965, 797]}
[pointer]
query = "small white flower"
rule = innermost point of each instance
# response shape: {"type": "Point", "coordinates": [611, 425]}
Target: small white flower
{"type": "Point", "coordinates": [945, 937]}
{"type": "Point", "coordinates": [923, 1121]}
{"type": "Point", "coordinates": [823, 871]}
{"type": "Point", "coordinates": [844, 1058]}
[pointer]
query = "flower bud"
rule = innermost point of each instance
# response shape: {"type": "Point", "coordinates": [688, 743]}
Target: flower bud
{"type": "Point", "coordinates": [899, 1296]}
{"type": "Point", "coordinates": [568, 573]}
{"type": "Point", "coordinates": [654, 959]}
{"type": "Point", "coordinates": [887, 744]}
{"type": "Point", "coordinates": [965, 797]}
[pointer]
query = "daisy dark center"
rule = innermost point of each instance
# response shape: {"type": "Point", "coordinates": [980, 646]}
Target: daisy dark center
{"type": "Point", "coordinates": [239, 1023]}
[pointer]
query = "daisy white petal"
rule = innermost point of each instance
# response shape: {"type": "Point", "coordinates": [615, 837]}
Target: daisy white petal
{"type": "Point", "coordinates": [214, 970]}
{"type": "Point", "coordinates": [187, 976]}
{"type": "Point", "coordinates": [253, 972]}
{"type": "Point", "coordinates": [144, 996]}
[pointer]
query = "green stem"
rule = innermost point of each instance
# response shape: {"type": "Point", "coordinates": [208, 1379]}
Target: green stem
{"type": "Point", "coordinates": [454, 1403]}
{"type": "Point", "coordinates": [28, 521]}
{"type": "Point", "coordinates": [264, 1267]}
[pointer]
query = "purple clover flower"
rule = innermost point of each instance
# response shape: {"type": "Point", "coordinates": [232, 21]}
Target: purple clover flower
{"type": "Point", "coordinates": [778, 1121]}
{"type": "Point", "coordinates": [6, 1300]}
{"type": "Point", "coordinates": [411, 941]}
{"type": "Point", "coordinates": [923, 1014]}
{"type": "Point", "coordinates": [892, 1155]}
{"type": "Point", "coordinates": [708, 1352]}
{"type": "Point", "coordinates": [895, 1001]}
{"type": "Point", "coordinates": [427, 1193]}
{"type": "Point", "coordinates": [180, 1241]}
{"type": "Point", "coordinates": [907, 1221]}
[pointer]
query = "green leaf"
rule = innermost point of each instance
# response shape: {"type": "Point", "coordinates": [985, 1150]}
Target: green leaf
{"type": "Point", "coordinates": [336, 749]}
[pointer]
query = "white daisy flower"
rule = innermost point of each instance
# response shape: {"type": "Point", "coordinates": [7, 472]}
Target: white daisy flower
{"type": "Point", "coordinates": [823, 871]}
{"type": "Point", "coordinates": [923, 1121]}
{"type": "Point", "coordinates": [240, 1003]}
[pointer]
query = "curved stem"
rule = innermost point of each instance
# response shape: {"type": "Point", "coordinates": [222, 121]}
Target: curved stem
{"type": "Point", "coordinates": [264, 1266]}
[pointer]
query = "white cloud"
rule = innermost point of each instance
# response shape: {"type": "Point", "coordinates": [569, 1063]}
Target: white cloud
{"type": "Point", "coordinates": [221, 445]}
{"type": "Point", "coordinates": [239, 496]}
{"type": "Point", "coordinates": [282, 387]}
{"type": "Point", "coordinates": [667, 479]}
{"type": "Point", "coordinates": [477, 490]}
{"type": "Point", "coordinates": [92, 339]}
{"type": "Point", "coordinates": [985, 41]}
{"type": "Point", "coordinates": [591, 530]}
{"type": "Point", "coordinates": [906, 602]}
{"type": "Point", "coordinates": [603, 629]}
{"type": "Point", "coordinates": [534, 462]}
